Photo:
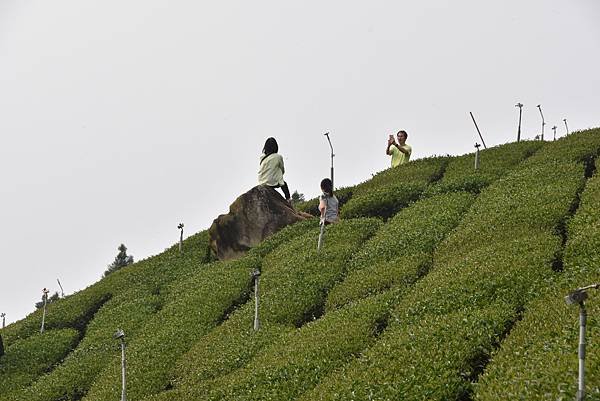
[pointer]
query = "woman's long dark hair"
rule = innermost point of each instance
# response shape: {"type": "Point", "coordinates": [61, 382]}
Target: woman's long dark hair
{"type": "Point", "coordinates": [269, 148]}
{"type": "Point", "coordinates": [327, 186]}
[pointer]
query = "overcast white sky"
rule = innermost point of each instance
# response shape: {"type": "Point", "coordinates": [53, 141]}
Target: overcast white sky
{"type": "Point", "coordinates": [120, 119]}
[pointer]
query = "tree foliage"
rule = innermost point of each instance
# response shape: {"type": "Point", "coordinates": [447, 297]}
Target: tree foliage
{"type": "Point", "coordinates": [121, 260]}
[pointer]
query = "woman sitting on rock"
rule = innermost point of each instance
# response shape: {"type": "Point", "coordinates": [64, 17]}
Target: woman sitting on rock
{"type": "Point", "coordinates": [271, 168]}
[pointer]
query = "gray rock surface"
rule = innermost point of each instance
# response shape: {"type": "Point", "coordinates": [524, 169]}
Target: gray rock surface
{"type": "Point", "coordinates": [252, 217]}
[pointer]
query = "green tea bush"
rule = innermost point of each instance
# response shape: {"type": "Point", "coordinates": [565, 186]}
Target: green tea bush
{"type": "Point", "coordinates": [26, 359]}
{"type": "Point", "coordinates": [227, 348]}
{"type": "Point", "coordinates": [393, 189]}
{"type": "Point", "coordinates": [446, 326]}
{"type": "Point", "coordinates": [498, 274]}
{"type": "Point", "coordinates": [382, 202]}
{"type": "Point", "coordinates": [539, 197]}
{"type": "Point", "coordinates": [579, 147]}
{"type": "Point", "coordinates": [402, 271]}
{"type": "Point", "coordinates": [296, 277]}
{"type": "Point", "coordinates": [421, 171]}
{"type": "Point", "coordinates": [433, 358]}
{"type": "Point", "coordinates": [512, 271]}
{"type": "Point", "coordinates": [191, 310]}
{"type": "Point", "coordinates": [284, 235]}
{"type": "Point", "coordinates": [72, 379]}
{"type": "Point", "coordinates": [538, 360]}
{"type": "Point", "coordinates": [148, 276]}
{"type": "Point", "coordinates": [299, 359]}
{"type": "Point", "coordinates": [460, 175]}
{"type": "Point", "coordinates": [74, 311]}
{"type": "Point", "coordinates": [386, 258]}
{"type": "Point", "coordinates": [416, 229]}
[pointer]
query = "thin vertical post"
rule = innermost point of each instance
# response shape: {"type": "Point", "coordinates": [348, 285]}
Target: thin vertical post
{"type": "Point", "coordinates": [566, 126]}
{"type": "Point", "coordinates": [45, 297]}
{"type": "Point", "coordinates": [539, 106]}
{"type": "Point", "coordinates": [554, 129]}
{"type": "Point", "coordinates": [180, 227]}
{"type": "Point", "coordinates": [256, 276]}
{"type": "Point", "coordinates": [332, 155]}
{"type": "Point", "coordinates": [477, 155]}
{"type": "Point", "coordinates": [120, 335]}
{"type": "Point", "coordinates": [581, 352]}
{"type": "Point", "coordinates": [479, 132]}
{"type": "Point", "coordinates": [123, 371]}
{"type": "Point", "coordinates": [3, 315]}
{"type": "Point", "coordinates": [62, 292]}
{"type": "Point", "coordinates": [520, 106]}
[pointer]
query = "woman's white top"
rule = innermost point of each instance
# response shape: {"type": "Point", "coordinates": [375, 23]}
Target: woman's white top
{"type": "Point", "coordinates": [271, 170]}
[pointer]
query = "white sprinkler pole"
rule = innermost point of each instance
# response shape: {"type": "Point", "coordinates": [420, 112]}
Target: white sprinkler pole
{"type": "Point", "coordinates": [45, 297]}
{"type": "Point", "coordinates": [539, 106]}
{"type": "Point", "coordinates": [120, 335]}
{"type": "Point", "coordinates": [256, 276]}
{"type": "Point", "coordinates": [3, 315]}
{"type": "Point", "coordinates": [180, 227]}
{"type": "Point", "coordinates": [322, 231]}
{"type": "Point", "coordinates": [477, 155]}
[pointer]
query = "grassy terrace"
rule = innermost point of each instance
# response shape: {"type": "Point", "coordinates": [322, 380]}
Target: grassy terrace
{"type": "Point", "coordinates": [441, 283]}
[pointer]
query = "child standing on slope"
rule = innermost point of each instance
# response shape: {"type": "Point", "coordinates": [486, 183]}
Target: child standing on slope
{"type": "Point", "coordinates": [328, 203]}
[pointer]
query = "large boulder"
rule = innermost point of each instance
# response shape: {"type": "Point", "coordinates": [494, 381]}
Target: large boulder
{"type": "Point", "coordinates": [253, 216]}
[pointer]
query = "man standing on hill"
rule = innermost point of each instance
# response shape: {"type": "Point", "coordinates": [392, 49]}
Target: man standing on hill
{"type": "Point", "coordinates": [399, 151]}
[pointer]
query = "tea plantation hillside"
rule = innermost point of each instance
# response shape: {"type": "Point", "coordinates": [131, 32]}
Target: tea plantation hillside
{"type": "Point", "coordinates": [440, 283]}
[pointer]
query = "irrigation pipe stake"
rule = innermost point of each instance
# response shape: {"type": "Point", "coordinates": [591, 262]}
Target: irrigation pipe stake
{"type": "Point", "coordinates": [566, 126]}
{"type": "Point", "coordinates": [578, 297]}
{"type": "Point", "coordinates": [120, 335]}
{"type": "Point", "coordinates": [332, 155]}
{"type": "Point", "coordinates": [539, 106]}
{"type": "Point", "coordinates": [45, 297]}
{"type": "Point", "coordinates": [479, 132]}
{"type": "Point", "coordinates": [477, 156]}
{"type": "Point", "coordinates": [520, 106]}
{"type": "Point", "coordinates": [256, 276]}
{"type": "Point", "coordinates": [62, 292]}
{"type": "Point", "coordinates": [554, 129]}
{"type": "Point", "coordinates": [180, 227]}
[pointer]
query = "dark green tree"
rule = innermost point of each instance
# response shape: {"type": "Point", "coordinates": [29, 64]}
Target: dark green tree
{"type": "Point", "coordinates": [121, 260]}
{"type": "Point", "coordinates": [52, 298]}
{"type": "Point", "coordinates": [297, 198]}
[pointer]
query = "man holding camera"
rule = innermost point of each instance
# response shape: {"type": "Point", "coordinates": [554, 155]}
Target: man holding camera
{"type": "Point", "coordinates": [399, 151]}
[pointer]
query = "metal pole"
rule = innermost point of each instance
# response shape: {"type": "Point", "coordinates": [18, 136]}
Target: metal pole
{"type": "Point", "coordinates": [331, 147]}
{"type": "Point", "coordinates": [477, 156]}
{"type": "Point", "coordinates": [566, 126]}
{"type": "Point", "coordinates": [120, 335]}
{"type": "Point", "coordinates": [554, 129]}
{"type": "Point", "coordinates": [45, 296]}
{"type": "Point", "coordinates": [581, 353]}
{"type": "Point", "coordinates": [539, 106]}
{"type": "Point", "coordinates": [62, 292]}
{"type": "Point", "coordinates": [180, 226]}
{"type": "Point", "coordinates": [321, 232]}
{"type": "Point", "coordinates": [3, 319]}
{"type": "Point", "coordinates": [123, 371]}
{"type": "Point", "coordinates": [256, 275]}
{"type": "Point", "coordinates": [479, 132]}
{"type": "Point", "coordinates": [520, 106]}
